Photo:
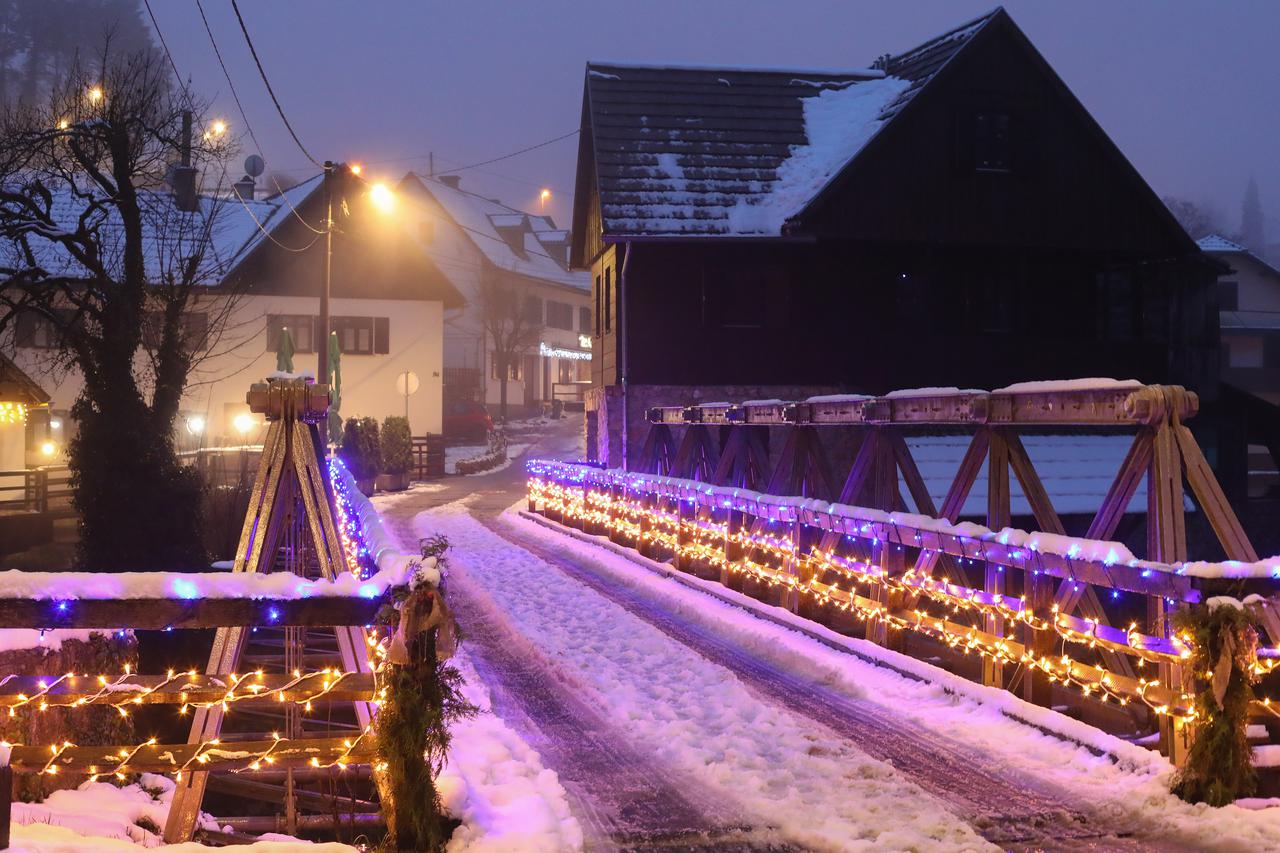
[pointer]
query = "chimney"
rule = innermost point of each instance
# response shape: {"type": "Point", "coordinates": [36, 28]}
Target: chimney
{"type": "Point", "coordinates": [183, 181]}
{"type": "Point", "coordinates": [244, 188]}
{"type": "Point", "coordinates": [451, 181]}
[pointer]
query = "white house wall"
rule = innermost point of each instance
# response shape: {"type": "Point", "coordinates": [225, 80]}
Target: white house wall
{"type": "Point", "coordinates": [242, 356]}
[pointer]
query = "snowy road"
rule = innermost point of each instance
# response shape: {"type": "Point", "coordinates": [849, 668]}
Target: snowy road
{"type": "Point", "coordinates": [675, 721]}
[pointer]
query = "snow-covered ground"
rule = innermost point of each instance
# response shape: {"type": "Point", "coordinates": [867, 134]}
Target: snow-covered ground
{"type": "Point", "coordinates": [782, 768]}
{"type": "Point", "coordinates": [102, 817]}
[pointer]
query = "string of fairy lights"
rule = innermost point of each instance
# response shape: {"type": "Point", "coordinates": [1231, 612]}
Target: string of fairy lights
{"type": "Point", "coordinates": [637, 509]}
{"type": "Point", "coordinates": [123, 693]}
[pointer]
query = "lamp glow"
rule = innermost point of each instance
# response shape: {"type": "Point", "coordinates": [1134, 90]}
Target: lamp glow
{"type": "Point", "coordinates": [48, 448]}
{"type": "Point", "coordinates": [243, 422]}
{"type": "Point", "coordinates": [195, 424]}
{"type": "Point", "coordinates": [55, 423]}
{"type": "Point", "coordinates": [95, 94]}
{"type": "Point", "coordinates": [356, 168]}
{"type": "Point", "coordinates": [382, 197]}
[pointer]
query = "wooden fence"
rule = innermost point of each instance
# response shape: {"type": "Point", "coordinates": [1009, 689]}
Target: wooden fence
{"type": "Point", "coordinates": [185, 690]}
{"type": "Point", "coordinates": [1058, 619]}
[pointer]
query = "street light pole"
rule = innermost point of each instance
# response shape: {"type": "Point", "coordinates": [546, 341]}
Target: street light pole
{"type": "Point", "coordinates": [323, 343]}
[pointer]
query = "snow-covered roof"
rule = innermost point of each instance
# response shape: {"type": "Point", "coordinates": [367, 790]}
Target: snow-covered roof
{"type": "Point", "coordinates": [687, 150]}
{"type": "Point", "coordinates": [170, 235]}
{"type": "Point", "coordinates": [536, 248]}
{"type": "Point", "coordinates": [1218, 243]}
{"type": "Point", "coordinates": [1076, 471]}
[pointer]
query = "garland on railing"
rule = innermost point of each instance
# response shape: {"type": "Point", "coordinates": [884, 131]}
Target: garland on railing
{"type": "Point", "coordinates": [360, 561]}
{"type": "Point", "coordinates": [1219, 768]}
{"type": "Point", "coordinates": [701, 539]}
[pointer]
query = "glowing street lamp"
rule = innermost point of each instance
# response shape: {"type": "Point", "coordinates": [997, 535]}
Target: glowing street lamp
{"type": "Point", "coordinates": [382, 197]}
{"type": "Point", "coordinates": [356, 169]}
{"type": "Point", "coordinates": [195, 424]}
{"type": "Point", "coordinates": [243, 422]}
{"type": "Point", "coordinates": [544, 197]}
{"type": "Point", "coordinates": [95, 94]}
{"type": "Point", "coordinates": [48, 448]}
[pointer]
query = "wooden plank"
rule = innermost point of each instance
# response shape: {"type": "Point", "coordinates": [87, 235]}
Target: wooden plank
{"type": "Point", "coordinates": [185, 688]}
{"type": "Point", "coordinates": [1166, 542]}
{"type": "Point", "coordinates": [265, 792]}
{"type": "Point", "coordinates": [919, 492]}
{"type": "Point", "coordinates": [958, 492]}
{"type": "Point", "coordinates": [164, 613]}
{"type": "Point", "coordinates": [998, 518]}
{"type": "Point", "coordinates": [1216, 507]}
{"type": "Point", "coordinates": [172, 757]}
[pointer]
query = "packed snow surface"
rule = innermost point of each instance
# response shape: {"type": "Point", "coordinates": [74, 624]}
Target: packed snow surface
{"type": "Point", "coordinates": [1120, 783]}
{"type": "Point", "coordinates": [697, 716]}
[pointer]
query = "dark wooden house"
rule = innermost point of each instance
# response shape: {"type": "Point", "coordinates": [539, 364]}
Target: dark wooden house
{"type": "Point", "coordinates": [951, 216]}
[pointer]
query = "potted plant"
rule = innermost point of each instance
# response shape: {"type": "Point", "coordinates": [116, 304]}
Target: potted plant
{"type": "Point", "coordinates": [397, 454]}
{"type": "Point", "coordinates": [361, 452]}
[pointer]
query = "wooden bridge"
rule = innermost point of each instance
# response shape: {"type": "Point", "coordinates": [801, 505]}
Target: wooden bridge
{"type": "Point", "coordinates": [1081, 622]}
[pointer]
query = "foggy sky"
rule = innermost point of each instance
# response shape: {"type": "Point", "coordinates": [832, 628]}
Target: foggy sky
{"type": "Point", "coordinates": [1190, 91]}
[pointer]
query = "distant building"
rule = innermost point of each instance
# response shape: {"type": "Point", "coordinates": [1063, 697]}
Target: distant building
{"type": "Point", "coordinates": [470, 237]}
{"type": "Point", "coordinates": [951, 216]}
{"type": "Point", "coordinates": [1249, 313]}
{"type": "Point", "coordinates": [263, 269]}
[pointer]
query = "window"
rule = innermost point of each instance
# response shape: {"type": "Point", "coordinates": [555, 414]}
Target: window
{"type": "Point", "coordinates": [608, 300]}
{"type": "Point", "coordinates": [36, 332]}
{"type": "Point", "coordinates": [564, 370]}
{"type": "Point", "coordinates": [301, 328]}
{"type": "Point", "coordinates": [1244, 350]}
{"type": "Point", "coordinates": [559, 315]}
{"type": "Point", "coordinates": [513, 369]}
{"type": "Point", "coordinates": [533, 310]}
{"type": "Point", "coordinates": [991, 142]}
{"type": "Point", "coordinates": [584, 369]}
{"type": "Point", "coordinates": [1228, 296]}
{"type": "Point", "coordinates": [584, 320]}
{"type": "Point", "coordinates": [599, 327]}
{"type": "Point", "coordinates": [362, 335]}
{"type": "Point", "coordinates": [530, 375]}
{"type": "Point", "coordinates": [195, 328]}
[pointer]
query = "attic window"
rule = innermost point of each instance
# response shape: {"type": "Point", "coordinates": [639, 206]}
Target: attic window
{"type": "Point", "coordinates": [991, 142]}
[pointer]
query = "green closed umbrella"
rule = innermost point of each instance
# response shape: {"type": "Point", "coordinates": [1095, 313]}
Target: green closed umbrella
{"type": "Point", "coordinates": [335, 387]}
{"type": "Point", "coordinates": [284, 351]}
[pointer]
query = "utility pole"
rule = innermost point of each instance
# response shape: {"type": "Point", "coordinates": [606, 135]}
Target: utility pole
{"type": "Point", "coordinates": [323, 342]}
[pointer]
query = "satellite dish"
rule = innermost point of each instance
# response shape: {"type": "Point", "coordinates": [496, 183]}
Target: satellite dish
{"type": "Point", "coordinates": [254, 165]}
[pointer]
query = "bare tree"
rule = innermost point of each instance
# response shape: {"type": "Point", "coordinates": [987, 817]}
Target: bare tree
{"type": "Point", "coordinates": [502, 298]}
{"type": "Point", "coordinates": [1196, 219]}
{"type": "Point", "coordinates": [94, 248]}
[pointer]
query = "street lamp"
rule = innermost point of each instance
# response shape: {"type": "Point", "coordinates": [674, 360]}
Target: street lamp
{"type": "Point", "coordinates": [544, 197]}
{"type": "Point", "coordinates": [195, 424]}
{"type": "Point", "coordinates": [382, 197]}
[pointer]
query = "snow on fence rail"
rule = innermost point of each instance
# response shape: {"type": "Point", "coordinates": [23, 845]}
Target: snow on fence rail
{"type": "Point", "coordinates": [812, 555]}
{"type": "Point", "coordinates": [178, 600]}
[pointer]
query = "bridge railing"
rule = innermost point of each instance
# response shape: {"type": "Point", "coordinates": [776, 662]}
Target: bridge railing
{"type": "Point", "coordinates": [1041, 610]}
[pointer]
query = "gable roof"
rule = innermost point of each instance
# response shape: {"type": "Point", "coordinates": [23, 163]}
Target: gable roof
{"type": "Point", "coordinates": [511, 239]}
{"type": "Point", "coordinates": [17, 387]}
{"type": "Point", "coordinates": [692, 151]}
{"type": "Point", "coordinates": [1216, 244]}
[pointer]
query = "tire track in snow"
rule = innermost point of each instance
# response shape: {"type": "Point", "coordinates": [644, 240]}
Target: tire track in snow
{"type": "Point", "coordinates": [622, 799]}
{"type": "Point", "coordinates": [1004, 806]}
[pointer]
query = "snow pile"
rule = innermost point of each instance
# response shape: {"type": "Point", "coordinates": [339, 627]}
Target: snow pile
{"type": "Point", "coordinates": [395, 566]}
{"type": "Point", "coordinates": [1092, 384]}
{"type": "Point", "coordinates": [1117, 782]}
{"type": "Point", "coordinates": [696, 716]}
{"type": "Point", "coordinates": [20, 639]}
{"type": "Point", "coordinates": [99, 816]}
{"type": "Point", "coordinates": [496, 785]}
{"type": "Point", "coordinates": [837, 124]}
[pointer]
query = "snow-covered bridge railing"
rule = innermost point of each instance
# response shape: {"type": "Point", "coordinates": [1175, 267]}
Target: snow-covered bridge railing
{"type": "Point", "coordinates": [1041, 609]}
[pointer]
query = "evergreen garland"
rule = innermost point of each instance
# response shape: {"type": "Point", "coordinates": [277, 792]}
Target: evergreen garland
{"type": "Point", "coordinates": [1219, 767]}
{"type": "Point", "coordinates": [422, 699]}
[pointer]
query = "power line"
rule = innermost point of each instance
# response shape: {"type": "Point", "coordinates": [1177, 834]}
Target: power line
{"type": "Point", "coordinates": [160, 35]}
{"type": "Point", "coordinates": [516, 153]}
{"type": "Point", "coordinates": [245, 116]}
{"type": "Point", "coordinates": [235, 6]}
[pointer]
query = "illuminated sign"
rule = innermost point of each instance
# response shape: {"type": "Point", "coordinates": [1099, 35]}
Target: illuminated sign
{"type": "Point", "coordinates": [561, 352]}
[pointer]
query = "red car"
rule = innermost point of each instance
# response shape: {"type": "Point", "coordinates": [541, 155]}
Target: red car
{"type": "Point", "coordinates": [466, 419]}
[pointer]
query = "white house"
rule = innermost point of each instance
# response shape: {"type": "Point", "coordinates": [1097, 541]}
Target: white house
{"type": "Point", "coordinates": [262, 272]}
{"type": "Point", "coordinates": [469, 236]}
{"type": "Point", "coordinates": [1249, 311]}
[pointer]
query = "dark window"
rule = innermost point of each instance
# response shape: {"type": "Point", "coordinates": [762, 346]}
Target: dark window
{"type": "Point", "coordinates": [584, 320]}
{"type": "Point", "coordinates": [1228, 296]}
{"type": "Point", "coordinates": [513, 369]}
{"type": "Point", "coordinates": [36, 332]}
{"type": "Point", "coordinates": [559, 315]}
{"type": "Point", "coordinates": [362, 335]}
{"type": "Point", "coordinates": [608, 300]}
{"type": "Point", "coordinates": [991, 148]}
{"type": "Point", "coordinates": [564, 370]}
{"type": "Point", "coordinates": [533, 310]}
{"type": "Point", "coordinates": [599, 301]}
{"type": "Point", "coordinates": [530, 369]}
{"type": "Point", "coordinates": [301, 329]}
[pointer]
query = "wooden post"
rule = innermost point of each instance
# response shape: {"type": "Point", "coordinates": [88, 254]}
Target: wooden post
{"type": "Point", "coordinates": [997, 518]}
{"type": "Point", "coordinates": [687, 512]}
{"type": "Point", "coordinates": [1167, 542]}
{"type": "Point", "coordinates": [6, 804]}
{"type": "Point", "coordinates": [735, 522]}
